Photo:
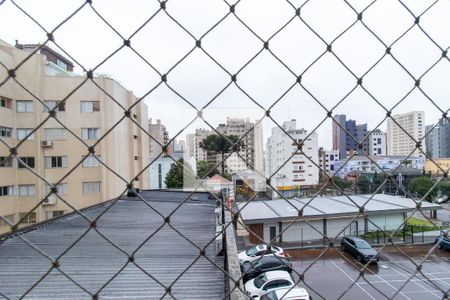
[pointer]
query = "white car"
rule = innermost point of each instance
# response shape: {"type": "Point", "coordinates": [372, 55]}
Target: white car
{"type": "Point", "coordinates": [295, 293]}
{"type": "Point", "coordinates": [267, 282]}
{"type": "Point", "coordinates": [256, 251]}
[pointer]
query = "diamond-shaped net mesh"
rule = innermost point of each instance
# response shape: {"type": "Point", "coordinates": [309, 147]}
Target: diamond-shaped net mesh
{"type": "Point", "coordinates": [371, 58]}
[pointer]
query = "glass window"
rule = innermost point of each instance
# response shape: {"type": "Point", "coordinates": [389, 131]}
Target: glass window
{"type": "Point", "coordinates": [91, 187]}
{"type": "Point", "coordinates": [55, 162]}
{"type": "Point", "coordinates": [260, 280]}
{"type": "Point", "coordinates": [89, 106]}
{"type": "Point", "coordinates": [51, 104]}
{"type": "Point", "coordinates": [55, 134]}
{"type": "Point", "coordinates": [90, 133]}
{"type": "Point", "coordinates": [5, 131]}
{"type": "Point", "coordinates": [24, 106]}
{"type": "Point", "coordinates": [22, 133]}
{"type": "Point", "coordinates": [362, 244]}
{"type": "Point", "coordinates": [5, 102]}
{"type": "Point", "coordinates": [6, 190]}
{"type": "Point", "coordinates": [91, 161]}
{"type": "Point", "coordinates": [61, 189]}
{"type": "Point", "coordinates": [6, 162]}
{"type": "Point", "coordinates": [26, 161]}
{"type": "Point", "coordinates": [26, 190]}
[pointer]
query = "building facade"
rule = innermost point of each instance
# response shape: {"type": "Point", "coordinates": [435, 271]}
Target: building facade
{"type": "Point", "coordinates": [398, 141]}
{"type": "Point", "coordinates": [300, 172]}
{"type": "Point", "coordinates": [47, 148]}
{"type": "Point", "coordinates": [347, 142]}
{"type": "Point", "coordinates": [377, 143]}
{"type": "Point", "coordinates": [438, 139]}
{"type": "Point", "coordinates": [158, 171]}
{"type": "Point", "coordinates": [327, 160]}
{"type": "Point", "coordinates": [159, 136]}
{"type": "Point", "coordinates": [437, 166]}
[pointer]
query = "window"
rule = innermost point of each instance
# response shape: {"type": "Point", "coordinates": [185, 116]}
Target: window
{"type": "Point", "coordinates": [26, 190]}
{"type": "Point", "coordinates": [91, 187]}
{"type": "Point", "coordinates": [6, 162]}
{"type": "Point", "coordinates": [6, 190]}
{"type": "Point", "coordinates": [55, 162]}
{"type": "Point", "coordinates": [61, 189]}
{"type": "Point", "coordinates": [61, 64]}
{"type": "Point", "coordinates": [54, 214]}
{"type": "Point", "coordinates": [22, 133]}
{"type": "Point", "coordinates": [5, 131]}
{"type": "Point", "coordinates": [91, 161]}
{"type": "Point", "coordinates": [10, 218]}
{"type": "Point", "coordinates": [24, 106]}
{"type": "Point", "coordinates": [30, 218]}
{"type": "Point", "coordinates": [26, 161]}
{"type": "Point", "coordinates": [90, 133]}
{"type": "Point", "coordinates": [55, 134]}
{"type": "Point", "coordinates": [61, 106]}
{"type": "Point", "coordinates": [90, 106]}
{"type": "Point", "coordinates": [5, 102]}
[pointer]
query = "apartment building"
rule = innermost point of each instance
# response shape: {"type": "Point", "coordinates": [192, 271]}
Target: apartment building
{"type": "Point", "coordinates": [438, 139]}
{"type": "Point", "coordinates": [299, 172]}
{"type": "Point", "coordinates": [327, 160]}
{"type": "Point", "coordinates": [347, 142]}
{"type": "Point", "coordinates": [377, 143]}
{"type": "Point", "coordinates": [56, 148]}
{"type": "Point", "coordinates": [160, 136]}
{"type": "Point", "coordinates": [398, 141]}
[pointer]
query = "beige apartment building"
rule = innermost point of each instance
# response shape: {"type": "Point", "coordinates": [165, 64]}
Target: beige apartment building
{"type": "Point", "coordinates": [55, 153]}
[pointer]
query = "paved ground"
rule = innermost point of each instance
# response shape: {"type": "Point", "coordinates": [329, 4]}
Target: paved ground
{"type": "Point", "coordinates": [333, 276]}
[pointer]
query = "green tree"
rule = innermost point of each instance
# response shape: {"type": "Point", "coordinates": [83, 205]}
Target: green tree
{"type": "Point", "coordinates": [341, 183]}
{"type": "Point", "coordinates": [205, 169]}
{"type": "Point", "coordinates": [179, 175]}
{"type": "Point", "coordinates": [444, 187]}
{"type": "Point", "coordinates": [221, 144]}
{"type": "Point", "coordinates": [363, 184]}
{"type": "Point", "coordinates": [421, 185]}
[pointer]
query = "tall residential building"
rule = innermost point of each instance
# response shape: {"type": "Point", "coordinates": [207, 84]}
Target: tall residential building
{"type": "Point", "coordinates": [299, 172]}
{"type": "Point", "coordinates": [52, 151]}
{"type": "Point", "coordinates": [190, 144]}
{"type": "Point", "coordinates": [347, 142]}
{"type": "Point", "coordinates": [438, 139]}
{"type": "Point", "coordinates": [253, 145]}
{"type": "Point", "coordinates": [377, 143]}
{"type": "Point", "coordinates": [160, 136]}
{"type": "Point", "coordinates": [398, 142]}
{"type": "Point", "coordinates": [199, 152]}
{"type": "Point", "coordinates": [327, 159]}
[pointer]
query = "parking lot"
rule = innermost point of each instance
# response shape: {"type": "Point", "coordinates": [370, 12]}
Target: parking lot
{"type": "Point", "coordinates": [332, 276]}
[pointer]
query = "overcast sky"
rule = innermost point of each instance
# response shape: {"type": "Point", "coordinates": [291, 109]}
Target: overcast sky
{"type": "Point", "coordinates": [198, 79]}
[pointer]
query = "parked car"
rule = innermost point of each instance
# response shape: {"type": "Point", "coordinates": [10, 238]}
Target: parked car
{"type": "Point", "coordinates": [265, 264]}
{"type": "Point", "coordinates": [444, 242]}
{"type": "Point", "coordinates": [360, 249]}
{"type": "Point", "coordinates": [256, 251]}
{"type": "Point", "coordinates": [267, 282]}
{"type": "Point", "coordinates": [295, 293]}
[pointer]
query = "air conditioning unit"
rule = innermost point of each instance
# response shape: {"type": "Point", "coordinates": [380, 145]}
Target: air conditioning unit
{"type": "Point", "coordinates": [51, 200]}
{"type": "Point", "coordinates": [46, 144]}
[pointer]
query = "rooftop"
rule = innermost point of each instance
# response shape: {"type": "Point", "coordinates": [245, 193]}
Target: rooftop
{"type": "Point", "coordinates": [93, 262]}
{"type": "Point", "coordinates": [322, 207]}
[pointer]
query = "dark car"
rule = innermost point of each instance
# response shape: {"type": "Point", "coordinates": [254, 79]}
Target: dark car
{"type": "Point", "coordinates": [265, 264]}
{"type": "Point", "coordinates": [444, 242]}
{"type": "Point", "coordinates": [360, 249]}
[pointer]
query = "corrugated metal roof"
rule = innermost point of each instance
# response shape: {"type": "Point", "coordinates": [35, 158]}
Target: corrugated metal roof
{"type": "Point", "coordinates": [281, 209]}
{"type": "Point", "coordinates": [92, 262]}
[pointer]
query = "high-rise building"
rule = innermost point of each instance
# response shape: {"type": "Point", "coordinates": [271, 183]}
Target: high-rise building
{"type": "Point", "coordinates": [199, 152]}
{"type": "Point", "coordinates": [59, 146]}
{"type": "Point", "coordinates": [438, 139]}
{"type": "Point", "coordinates": [292, 174]}
{"type": "Point", "coordinates": [347, 142]}
{"type": "Point", "coordinates": [252, 150]}
{"type": "Point", "coordinates": [159, 136]}
{"type": "Point", "coordinates": [399, 141]}
{"type": "Point", "coordinates": [377, 143]}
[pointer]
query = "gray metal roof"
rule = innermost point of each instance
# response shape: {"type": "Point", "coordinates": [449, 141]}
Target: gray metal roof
{"type": "Point", "coordinates": [93, 261]}
{"type": "Point", "coordinates": [324, 207]}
